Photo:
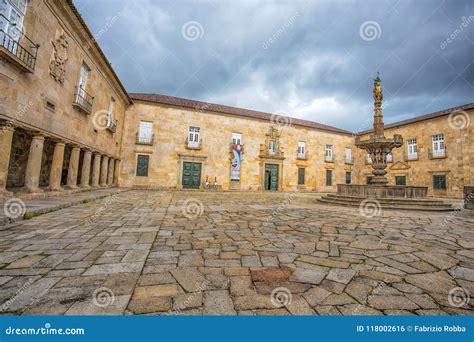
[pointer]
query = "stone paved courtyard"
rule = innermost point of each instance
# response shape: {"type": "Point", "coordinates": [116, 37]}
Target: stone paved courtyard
{"type": "Point", "coordinates": [139, 252]}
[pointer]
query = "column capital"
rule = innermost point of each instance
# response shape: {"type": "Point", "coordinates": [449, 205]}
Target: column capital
{"type": "Point", "coordinates": [7, 128]}
{"type": "Point", "coordinates": [38, 136]}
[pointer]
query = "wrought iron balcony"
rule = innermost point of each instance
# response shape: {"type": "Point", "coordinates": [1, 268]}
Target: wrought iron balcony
{"type": "Point", "coordinates": [145, 139]}
{"type": "Point", "coordinates": [193, 145]}
{"type": "Point", "coordinates": [16, 47]}
{"type": "Point", "coordinates": [329, 159]}
{"type": "Point", "coordinates": [437, 154]}
{"type": "Point", "coordinates": [112, 124]}
{"type": "Point", "coordinates": [411, 156]}
{"type": "Point", "coordinates": [348, 160]}
{"type": "Point", "coordinates": [83, 100]}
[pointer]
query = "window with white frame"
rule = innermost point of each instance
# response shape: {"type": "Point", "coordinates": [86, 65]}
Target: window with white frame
{"type": "Point", "coordinates": [329, 154]}
{"type": "Point", "coordinates": [348, 155]}
{"type": "Point", "coordinates": [272, 146]}
{"type": "Point", "coordinates": [301, 149]}
{"type": "Point", "coordinates": [145, 132]}
{"type": "Point", "coordinates": [193, 138]}
{"type": "Point", "coordinates": [369, 158]}
{"type": "Point", "coordinates": [12, 13]}
{"type": "Point", "coordinates": [390, 157]}
{"type": "Point", "coordinates": [110, 117]}
{"type": "Point", "coordinates": [412, 151]}
{"type": "Point", "coordinates": [236, 138]}
{"type": "Point", "coordinates": [438, 145]}
{"type": "Point", "coordinates": [81, 86]}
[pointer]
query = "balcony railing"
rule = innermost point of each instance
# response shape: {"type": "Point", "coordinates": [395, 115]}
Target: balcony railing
{"type": "Point", "coordinates": [145, 139]}
{"type": "Point", "coordinates": [329, 159]}
{"type": "Point", "coordinates": [301, 156]}
{"type": "Point", "coordinates": [17, 47]}
{"type": "Point", "coordinates": [83, 100]}
{"type": "Point", "coordinates": [411, 156]}
{"type": "Point", "coordinates": [437, 154]}
{"type": "Point", "coordinates": [112, 124]}
{"type": "Point", "coordinates": [348, 160]}
{"type": "Point", "coordinates": [193, 145]}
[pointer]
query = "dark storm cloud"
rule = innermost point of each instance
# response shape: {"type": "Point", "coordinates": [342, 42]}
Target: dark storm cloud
{"type": "Point", "coordinates": [308, 59]}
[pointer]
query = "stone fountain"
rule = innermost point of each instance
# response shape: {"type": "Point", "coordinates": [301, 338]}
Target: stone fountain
{"type": "Point", "coordinates": [379, 192]}
{"type": "Point", "coordinates": [378, 146]}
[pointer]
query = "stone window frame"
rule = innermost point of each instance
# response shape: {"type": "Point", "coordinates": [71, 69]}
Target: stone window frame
{"type": "Point", "coordinates": [303, 175]}
{"type": "Point", "coordinates": [329, 180]}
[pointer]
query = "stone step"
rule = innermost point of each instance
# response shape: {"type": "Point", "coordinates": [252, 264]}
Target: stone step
{"type": "Point", "coordinates": [440, 206]}
{"type": "Point", "coordinates": [394, 200]}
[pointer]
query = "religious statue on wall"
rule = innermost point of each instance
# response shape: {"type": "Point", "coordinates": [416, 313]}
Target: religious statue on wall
{"type": "Point", "coordinates": [236, 161]}
{"type": "Point", "coordinates": [57, 65]}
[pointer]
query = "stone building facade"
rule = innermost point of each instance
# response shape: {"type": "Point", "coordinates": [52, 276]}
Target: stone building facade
{"type": "Point", "coordinates": [61, 105]}
{"type": "Point", "coordinates": [66, 122]}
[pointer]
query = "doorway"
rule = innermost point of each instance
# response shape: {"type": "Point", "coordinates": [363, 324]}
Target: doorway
{"type": "Point", "coordinates": [191, 175]}
{"type": "Point", "coordinates": [271, 177]}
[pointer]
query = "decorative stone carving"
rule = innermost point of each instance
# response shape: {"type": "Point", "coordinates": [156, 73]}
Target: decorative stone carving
{"type": "Point", "coordinates": [272, 139]}
{"type": "Point", "coordinates": [57, 65]}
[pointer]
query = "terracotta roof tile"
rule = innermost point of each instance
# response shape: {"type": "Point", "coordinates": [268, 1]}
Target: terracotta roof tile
{"type": "Point", "coordinates": [206, 106]}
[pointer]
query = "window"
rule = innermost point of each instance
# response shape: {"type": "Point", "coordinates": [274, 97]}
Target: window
{"type": "Point", "coordinates": [369, 158]}
{"type": "Point", "coordinates": [439, 182]}
{"type": "Point", "coordinates": [329, 154]}
{"type": "Point", "coordinates": [145, 133]}
{"type": "Point", "coordinates": [328, 177]}
{"type": "Point", "coordinates": [400, 180]}
{"type": "Point", "coordinates": [193, 139]}
{"type": "Point", "coordinates": [369, 179]}
{"type": "Point", "coordinates": [236, 138]}
{"type": "Point", "coordinates": [12, 13]}
{"type": "Point", "coordinates": [389, 157]}
{"type": "Point", "coordinates": [438, 145]}
{"type": "Point", "coordinates": [412, 151]}
{"type": "Point", "coordinates": [301, 149]}
{"type": "Point", "coordinates": [348, 156]}
{"type": "Point", "coordinates": [272, 147]}
{"type": "Point", "coordinates": [81, 87]}
{"type": "Point", "coordinates": [348, 177]}
{"type": "Point", "coordinates": [111, 122]}
{"type": "Point", "coordinates": [142, 165]}
{"type": "Point", "coordinates": [301, 176]}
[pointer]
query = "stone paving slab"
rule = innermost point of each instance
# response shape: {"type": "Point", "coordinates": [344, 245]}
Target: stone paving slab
{"type": "Point", "coordinates": [38, 206]}
{"type": "Point", "coordinates": [146, 253]}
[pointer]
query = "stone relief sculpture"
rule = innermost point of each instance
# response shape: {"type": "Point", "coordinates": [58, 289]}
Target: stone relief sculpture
{"type": "Point", "coordinates": [57, 65]}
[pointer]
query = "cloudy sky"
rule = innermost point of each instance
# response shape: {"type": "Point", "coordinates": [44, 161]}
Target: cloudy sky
{"type": "Point", "coordinates": [308, 59]}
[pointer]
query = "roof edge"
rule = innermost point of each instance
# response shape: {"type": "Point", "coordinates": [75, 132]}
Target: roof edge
{"type": "Point", "coordinates": [243, 112]}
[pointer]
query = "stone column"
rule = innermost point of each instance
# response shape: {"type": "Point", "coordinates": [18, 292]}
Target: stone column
{"type": "Point", "coordinates": [86, 169]}
{"type": "Point", "coordinates": [116, 171]}
{"type": "Point", "coordinates": [33, 167]}
{"type": "Point", "coordinates": [103, 171]}
{"type": "Point", "coordinates": [110, 177]}
{"type": "Point", "coordinates": [6, 138]}
{"type": "Point", "coordinates": [73, 168]}
{"type": "Point", "coordinates": [56, 167]}
{"type": "Point", "coordinates": [96, 170]}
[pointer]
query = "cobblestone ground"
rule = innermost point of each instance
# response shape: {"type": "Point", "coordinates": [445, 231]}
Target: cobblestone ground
{"type": "Point", "coordinates": [139, 252]}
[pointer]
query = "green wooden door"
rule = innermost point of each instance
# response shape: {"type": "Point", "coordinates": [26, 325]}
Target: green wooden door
{"type": "Point", "coordinates": [191, 175]}
{"type": "Point", "coordinates": [271, 177]}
